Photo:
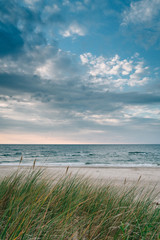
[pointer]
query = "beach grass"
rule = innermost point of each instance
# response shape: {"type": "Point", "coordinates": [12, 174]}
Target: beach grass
{"type": "Point", "coordinates": [72, 207]}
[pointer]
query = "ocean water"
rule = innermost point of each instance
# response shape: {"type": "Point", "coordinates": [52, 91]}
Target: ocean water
{"type": "Point", "coordinates": [82, 155]}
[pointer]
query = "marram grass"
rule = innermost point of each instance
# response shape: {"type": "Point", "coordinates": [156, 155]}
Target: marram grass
{"type": "Point", "coordinates": [72, 208]}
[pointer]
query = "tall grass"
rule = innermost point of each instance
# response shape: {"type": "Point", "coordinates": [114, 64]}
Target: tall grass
{"type": "Point", "coordinates": [32, 207]}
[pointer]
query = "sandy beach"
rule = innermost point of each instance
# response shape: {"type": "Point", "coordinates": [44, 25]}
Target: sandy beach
{"type": "Point", "coordinates": [75, 199]}
{"type": "Point", "coordinates": [147, 177]}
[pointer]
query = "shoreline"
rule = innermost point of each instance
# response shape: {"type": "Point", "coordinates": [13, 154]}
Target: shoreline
{"type": "Point", "coordinates": [116, 171]}
{"type": "Point", "coordinates": [80, 166]}
{"type": "Point", "coordinates": [143, 177]}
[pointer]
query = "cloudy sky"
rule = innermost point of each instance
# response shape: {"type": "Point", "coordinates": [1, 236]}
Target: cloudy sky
{"type": "Point", "coordinates": [84, 71]}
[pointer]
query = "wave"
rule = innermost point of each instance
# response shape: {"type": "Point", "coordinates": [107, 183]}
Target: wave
{"type": "Point", "coordinates": [88, 155]}
{"type": "Point", "coordinates": [18, 154]}
{"type": "Point", "coordinates": [6, 155]}
{"type": "Point", "coordinates": [82, 165]}
{"type": "Point", "coordinates": [6, 162]}
{"type": "Point", "coordinates": [134, 153]}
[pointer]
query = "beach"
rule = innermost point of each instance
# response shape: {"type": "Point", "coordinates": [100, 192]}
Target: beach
{"type": "Point", "coordinates": [80, 202]}
{"type": "Point", "coordinates": [117, 175]}
{"type": "Point", "coordinates": [147, 177]}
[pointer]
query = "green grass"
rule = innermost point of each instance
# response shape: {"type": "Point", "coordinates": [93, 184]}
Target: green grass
{"type": "Point", "coordinates": [72, 208]}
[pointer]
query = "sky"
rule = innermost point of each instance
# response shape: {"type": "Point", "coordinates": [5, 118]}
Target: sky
{"type": "Point", "coordinates": [79, 72]}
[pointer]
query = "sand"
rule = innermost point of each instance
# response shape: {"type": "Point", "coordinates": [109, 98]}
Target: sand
{"type": "Point", "coordinates": [117, 175]}
{"type": "Point", "coordinates": [147, 177]}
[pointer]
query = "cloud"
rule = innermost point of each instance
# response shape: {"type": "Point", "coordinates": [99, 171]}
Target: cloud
{"type": "Point", "coordinates": [113, 72]}
{"type": "Point", "coordinates": [75, 6]}
{"type": "Point", "coordinates": [18, 27]}
{"type": "Point", "coordinates": [52, 67]}
{"type": "Point", "coordinates": [142, 11]}
{"type": "Point", "coordinates": [141, 22]}
{"type": "Point", "coordinates": [11, 41]}
{"type": "Point", "coordinates": [79, 117]}
{"type": "Point", "coordinates": [142, 112]}
{"type": "Point", "coordinates": [73, 30]}
{"type": "Point", "coordinates": [62, 108]}
{"type": "Point", "coordinates": [70, 90]}
{"type": "Point", "coordinates": [35, 58]}
{"type": "Point", "coordinates": [47, 91]}
{"type": "Point", "coordinates": [52, 9]}
{"type": "Point", "coordinates": [22, 25]}
{"type": "Point", "coordinates": [31, 3]}
{"type": "Point", "coordinates": [51, 14]}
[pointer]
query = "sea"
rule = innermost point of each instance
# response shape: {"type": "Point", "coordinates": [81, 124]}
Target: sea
{"type": "Point", "coordinates": [106, 155]}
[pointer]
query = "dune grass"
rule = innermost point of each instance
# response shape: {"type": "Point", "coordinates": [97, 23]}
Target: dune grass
{"type": "Point", "coordinates": [32, 207]}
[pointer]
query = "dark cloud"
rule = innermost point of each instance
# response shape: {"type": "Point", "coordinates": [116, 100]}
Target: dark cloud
{"type": "Point", "coordinates": [136, 98]}
{"type": "Point", "coordinates": [72, 94]}
{"type": "Point", "coordinates": [10, 39]}
{"type": "Point", "coordinates": [24, 27]}
{"type": "Point", "coordinates": [45, 89]}
{"type": "Point", "coordinates": [19, 84]}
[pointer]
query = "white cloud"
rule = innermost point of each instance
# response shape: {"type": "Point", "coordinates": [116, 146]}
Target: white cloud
{"type": "Point", "coordinates": [76, 6]}
{"type": "Point", "coordinates": [115, 72]}
{"type": "Point", "coordinates": [49, 11]}
{"type": "Point", "coordinates": [104, 119]}
{"type": "Point", "coordinates": [50, 70]}
{"type": "Point", "coordinates": [16, 109]}
{"type": "Point", "coordinates": [36, 58]}
{"type": "Point", "coordinates": [52, 9]}
{"type": "Point", "coordinates": [46, 70]}
{"type": "Point", "coordinates": [141, 112]}
{"type": "Point", "coordinates": [141, 11]}
{"type": "Point", "coordinates": [101, 119]}
{"type": "Point", "coordinates": [127, 67]}
{"type": "Point", "coordinates": [47, 63]}
{"type": "Point", "coordinates": [135, 77]}
{"type": "Point", "coordinates": [31, 3]}
{"type": "Point", "coordinates": [73, 29]}
{"type": "Point", "coordinates": [85, 57]}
